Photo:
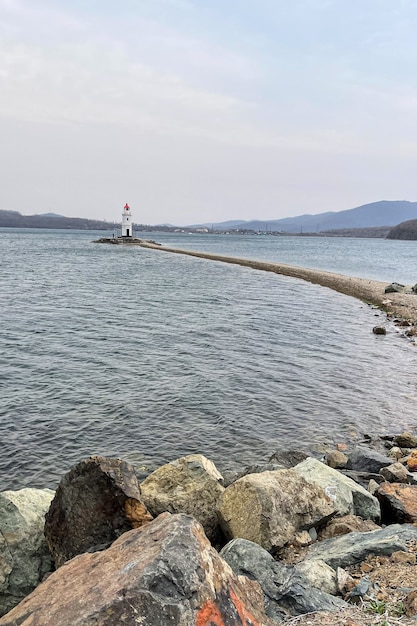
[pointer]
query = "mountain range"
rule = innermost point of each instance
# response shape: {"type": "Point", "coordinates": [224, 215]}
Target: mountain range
{"type": "Point", "coordinates": [386, 213]}
{"type": "Point", "coordinates": [383, 213]}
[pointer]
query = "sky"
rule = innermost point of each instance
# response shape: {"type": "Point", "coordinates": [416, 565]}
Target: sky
{"type": "Point", "coordinates": [199, 111]}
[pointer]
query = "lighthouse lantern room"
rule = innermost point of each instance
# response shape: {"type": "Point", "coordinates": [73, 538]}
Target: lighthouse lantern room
{"type": "Point", "coordinates": [127, 226]}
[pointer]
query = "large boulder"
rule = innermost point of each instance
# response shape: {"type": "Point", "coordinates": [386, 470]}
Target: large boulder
{"type": "Point", "coordinates": [163, 573]}
{"type": "Point", "coordinates": [24, 555]}
{"type": "Point", "coordinates": [269, 508]}
{"type": "Point", "coordinates": [97, 501]}
{"type": "Point", "coordinates": [330, 480]}
{"type": "Point", "coordinates": [364, 459]}
{"type": "Point", "coordinates": [287, 590]}
{"type": "Point", "coordinates": [349, 496]}
{"type": "Point", "coordinates": [353, 548]}
{"type": "Point", "coordinates": [190, 485]}
{"type": "Point", "coordinates": [398, 502]}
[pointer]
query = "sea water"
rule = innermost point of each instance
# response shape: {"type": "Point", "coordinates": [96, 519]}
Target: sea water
{"type": "Point", "coordinates": [148, 355]}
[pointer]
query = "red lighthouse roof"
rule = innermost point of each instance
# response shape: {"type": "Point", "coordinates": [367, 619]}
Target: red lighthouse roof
{"type": "Point", "coordinates": [126, 206]}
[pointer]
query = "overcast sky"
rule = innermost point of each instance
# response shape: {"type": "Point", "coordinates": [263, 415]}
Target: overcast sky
{"type": "Point", "coordinates": [206, 110]}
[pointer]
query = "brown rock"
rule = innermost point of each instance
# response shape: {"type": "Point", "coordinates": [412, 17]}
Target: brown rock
{"type": "Point", "coordinates": [366, 568]}
{"type": "Point", "coordinates": [345, 582]}
{"type": "Point", "coordinates": [395, 473]}
{"type": "Point", "coordinates": [342, 447]}
{"type": "Point", "coordinates": [398, 502]}
{"type": "Point", "coordinates": [406, 440]}
{"type": "Point", "coordinates": [336, 459]}
{"type": "Point", "coordinates": [404, 557]}
{"type": "Point", "coordinates": [412, 461]}
{"type": "Point", "coordinates": [190, 485]}
{"type": "Point", "coordinates": [163, 573]}
{"type": "Point", "coordinates": [347, 524]}
{"type": "Point", "coordinates": [269, 508]}
{"type": "Point", "coordinates": [410, 604]}
{"type": "Point", "coordinates": [302, 539]}
{"type": "Point", "coordinates": [97, 501]}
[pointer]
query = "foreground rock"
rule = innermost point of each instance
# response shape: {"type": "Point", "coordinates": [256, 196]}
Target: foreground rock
{"type": "Point", "coordinates": [189, 485]}
{"type": "Point", "coordinates": [24, 555]}
{"type": "Point", "coordinates": [398, 502]}
{"type": "Point", "coordinates": [349, 496]}
{"type": "Point", "coordinates": [164, 573]}
{"type": "Point", "coordinates": [269, 508]}
{"type": "Point", "coordinates": [355, 547]}
{"type": "Point", "coordinates": [97, 501]}
{"type": "Point", "coordinates": [287, 590]}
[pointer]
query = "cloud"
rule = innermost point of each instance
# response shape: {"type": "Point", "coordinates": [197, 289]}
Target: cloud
{"type": "Point", "coordinates": [203, 106]}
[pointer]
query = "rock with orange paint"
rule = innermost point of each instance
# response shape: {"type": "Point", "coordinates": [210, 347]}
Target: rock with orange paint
{"type": "Point", "coordinates": [289, 589]}
{"type": "Point", "coordinates": [190, 485]}
{"type": "Point", "coordinates": [163, 573]}
{"type": "Point", "coordinates": [97, 501]}
{"type": "Point", "coordinates": [398, 503]}
{"type": "Point", "coordinates": [271, 507]}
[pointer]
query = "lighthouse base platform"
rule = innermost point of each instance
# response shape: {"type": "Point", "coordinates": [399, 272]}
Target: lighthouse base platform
{"type": "Point", "coordinates": [125, 241]}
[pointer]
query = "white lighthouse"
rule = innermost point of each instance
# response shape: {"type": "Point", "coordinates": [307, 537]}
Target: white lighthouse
{"type": "Point", "coordinates": [127, 226]}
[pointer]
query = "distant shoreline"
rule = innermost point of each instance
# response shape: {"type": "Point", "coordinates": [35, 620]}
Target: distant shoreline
{"type": "Point", "coordinates": [401, 305]}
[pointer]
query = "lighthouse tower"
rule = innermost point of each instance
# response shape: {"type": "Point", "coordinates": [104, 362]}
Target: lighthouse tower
{"type": "Point", "coordinates": [127, 226]}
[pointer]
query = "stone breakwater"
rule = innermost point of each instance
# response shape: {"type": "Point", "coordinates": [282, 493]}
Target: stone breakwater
{"type": "Point", "coordinates": [402, 305]}
{"type": "Point", "coordinates": [296, 539]}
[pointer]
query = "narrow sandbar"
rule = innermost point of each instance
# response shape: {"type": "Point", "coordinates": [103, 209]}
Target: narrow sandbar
{"type": "Point", "coordinates": [401, 305]}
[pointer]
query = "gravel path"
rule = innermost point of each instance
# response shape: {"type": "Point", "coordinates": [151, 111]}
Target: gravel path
{"type": "Point", "coordinates": [400, 305]}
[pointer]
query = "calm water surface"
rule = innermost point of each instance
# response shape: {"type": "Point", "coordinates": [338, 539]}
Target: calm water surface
{"type": "Point", "coordinates": [150, 355]}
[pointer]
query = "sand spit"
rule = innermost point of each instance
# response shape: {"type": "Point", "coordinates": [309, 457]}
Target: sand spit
{"type": "Point", "coordinates": [400, 305]}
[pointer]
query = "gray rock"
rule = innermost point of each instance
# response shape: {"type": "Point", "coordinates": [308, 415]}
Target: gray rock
{"type": "Point", "coordinates": [287, 591]}
{"type": "Point", "coordinates": [355, 547]}
{"type": "Point", "coordinates": [231, 477]}
{"type": "Point", "coordinates": [379, 330]}
{"type": "Point", "coordinates": [350, 497]}
{"type": "Point", "coordinates": [362, 478]}
{"type": "Point", "coordinates": [330, 480]}
{"type": "Point", "coordinates": [190, 485]}
{"type": "Point", "coordinates": [364, 459]}
{"type": "Point", "coordinates": [319, 575]}
{"type": "Point", "coordinates": [163, 573]}
{"type": "Point", "coordinates": [395, 288]}
{"type": "Point", "coordinates": [288, 458]}
{"type": "Point", "coordinates": [97, 501]}
{"type": "Point", "coordinates": [269, 508]}
{"type": "Point", "coordinates": [24, 555]}
{"type": "Point", "coordinates": [395, 453]}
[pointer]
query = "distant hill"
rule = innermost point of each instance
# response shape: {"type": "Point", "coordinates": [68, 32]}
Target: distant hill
{"type": "Point", "coordinates": [376, 232]}
{"type": "Point", "coordinates": [383, 213]}
{"type": "Point", "coordinates": [405, 230]}
{"type": "Point", "coordinates": [13, 219]}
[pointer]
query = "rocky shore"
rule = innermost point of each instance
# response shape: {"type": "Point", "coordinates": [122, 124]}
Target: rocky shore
{"type": "Point", "coordinates": [299, 540]}
{"type": "Point", "coordinates": [401, 304]}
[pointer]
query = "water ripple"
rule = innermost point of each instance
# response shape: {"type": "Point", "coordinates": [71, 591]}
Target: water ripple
{"type": "Point", "coordinates": [151, 356]}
